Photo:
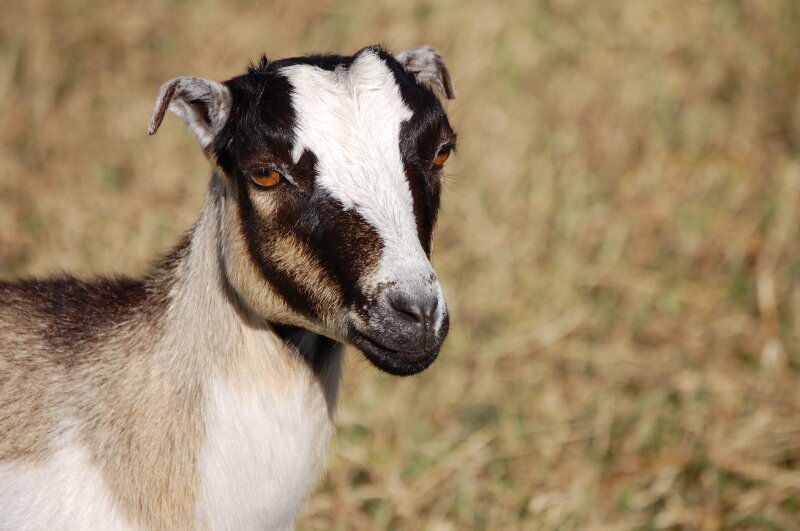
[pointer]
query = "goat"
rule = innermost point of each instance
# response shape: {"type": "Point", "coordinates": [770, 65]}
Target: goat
{"type": "Point", "coordinates": [202, 396]}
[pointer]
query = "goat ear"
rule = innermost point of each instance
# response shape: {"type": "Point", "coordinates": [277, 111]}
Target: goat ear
{"type": "Point", "coordinates": [428, 67]}
{"type": "Point", "coordinates": [203, 104]}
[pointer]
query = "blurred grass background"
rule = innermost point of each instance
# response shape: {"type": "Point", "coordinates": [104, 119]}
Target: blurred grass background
{"type": "Point", "coordinates": [619, 242]}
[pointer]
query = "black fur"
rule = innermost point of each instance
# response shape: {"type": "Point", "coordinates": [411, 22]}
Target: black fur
{"type": "Point", "coordinates": [420, 139]}
{"type": "Point", "coordinates": [260, 134]}
{"type": "Point", "coordinates": [75, 313]}
{"type": "Point", "coordinates": [72, 315]}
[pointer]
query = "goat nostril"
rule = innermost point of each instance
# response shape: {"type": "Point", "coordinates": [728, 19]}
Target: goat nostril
{"type": "Point", "coordinates": [418, 310]}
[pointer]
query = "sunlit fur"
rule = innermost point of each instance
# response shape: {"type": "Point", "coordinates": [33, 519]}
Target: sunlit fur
{"type": "Point", "coordinates": [351, 120]}
{"type": "Point", "coordinates": [188, 394]}
{"type": "Point", "coordinates": [203, 395]}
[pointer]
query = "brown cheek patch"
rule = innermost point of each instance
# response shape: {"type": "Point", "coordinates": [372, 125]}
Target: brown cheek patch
{"type": "Point", "coordinates": [313, 252]}
{"type": "Point", "coordinates": [301, 267]}
{"type": "Point", "coordinates": [260, 228]}
{"type": "Point", "coordinates": [281, 249]}
{"type": "Point", "coordinates": [348, 247]}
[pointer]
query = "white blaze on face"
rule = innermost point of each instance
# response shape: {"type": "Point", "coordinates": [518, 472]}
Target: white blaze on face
{"type": "Point", "coordinates": [350, 118]}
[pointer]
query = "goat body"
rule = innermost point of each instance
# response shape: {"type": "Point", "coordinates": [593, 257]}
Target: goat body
{"type": "Point", "coordinates": [203, 396]}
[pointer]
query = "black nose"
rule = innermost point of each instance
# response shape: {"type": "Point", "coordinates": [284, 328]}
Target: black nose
{"type": "Point", "coordinates": [415, 311]}
{"type": "Point", "coordinates": [404, 330]}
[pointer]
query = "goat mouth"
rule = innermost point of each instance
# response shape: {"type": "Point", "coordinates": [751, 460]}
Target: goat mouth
{"type": "Point", "coordinates": [392, 361]}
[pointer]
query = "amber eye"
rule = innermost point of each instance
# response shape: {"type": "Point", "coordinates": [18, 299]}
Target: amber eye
{"type": "Point", "coordinates": [442, 156]}
{"type": "Point", "coordinates": [266, 178]}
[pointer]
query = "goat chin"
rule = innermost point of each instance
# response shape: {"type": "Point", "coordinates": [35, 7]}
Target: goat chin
{"type": "Point", "coordinates": [399, 363]}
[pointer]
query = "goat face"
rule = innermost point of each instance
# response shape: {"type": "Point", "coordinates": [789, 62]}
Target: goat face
{"type": "Point", "coordinates": [332, 166]}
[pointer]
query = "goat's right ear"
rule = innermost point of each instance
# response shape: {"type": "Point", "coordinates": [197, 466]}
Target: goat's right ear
{"type": "Point", "coordinates": [203, 104]}
{"type": "Point", "coordinates": [428, 67]}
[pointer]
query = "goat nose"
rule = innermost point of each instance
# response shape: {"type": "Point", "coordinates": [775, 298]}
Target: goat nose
{"type": "Point", "coordinates": [415, 310]}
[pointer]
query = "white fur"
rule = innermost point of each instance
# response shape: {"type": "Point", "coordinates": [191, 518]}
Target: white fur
{"type": "Point", "coordinates": [66, 492]}
{"type": "Point", "coordinates": [215, 96]}
{"type": "Point", "coordinates": [427, 66]}
{"type": "Point", "coordinates": [350, 119]}
{"type": "Point", "coordinates": [262, 455]}
{"type": "Point", "coordinates": [268, 419]}
{"type": "Point", "coordinates": [267, 416]}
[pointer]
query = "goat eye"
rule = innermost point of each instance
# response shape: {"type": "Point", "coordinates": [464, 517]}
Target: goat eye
{"type": "Point", "coordinates": [442, 156]}
{"type": "Point", "coordinates": [266, 178]}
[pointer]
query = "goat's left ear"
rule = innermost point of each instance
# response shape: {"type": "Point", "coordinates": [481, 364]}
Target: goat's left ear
{"type": "Point", "coordinates": [203, 104]}
{"type": "Point", "coordinates": [428, 67]}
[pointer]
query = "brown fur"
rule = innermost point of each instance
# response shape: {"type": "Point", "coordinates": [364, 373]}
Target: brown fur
{"type": "Point", "coordinates": [246, 278]}
{"type": "Point", "coordinates": [105, 374]}
{"type": "Point", "coordinates": [107, 356]}
{"type": "Point", "coordinates": [126, 370]}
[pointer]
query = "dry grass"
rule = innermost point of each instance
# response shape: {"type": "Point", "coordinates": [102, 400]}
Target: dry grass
{"type": "Point", "coordinates": [619, 242]}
